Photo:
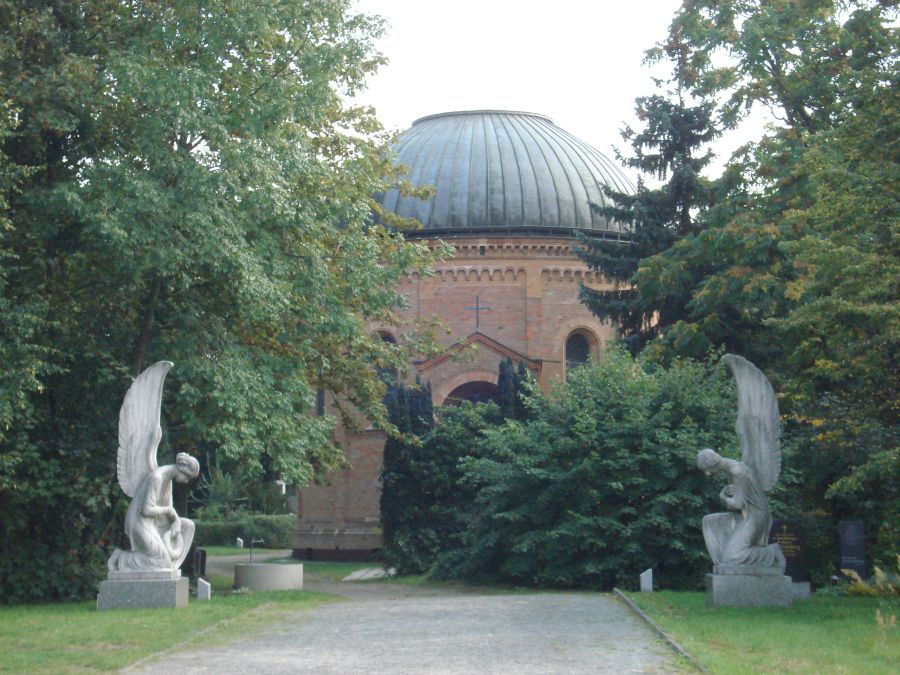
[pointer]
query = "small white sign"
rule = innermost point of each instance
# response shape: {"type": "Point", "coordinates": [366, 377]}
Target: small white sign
{"type": "Point", "coordinates": [240, 542]}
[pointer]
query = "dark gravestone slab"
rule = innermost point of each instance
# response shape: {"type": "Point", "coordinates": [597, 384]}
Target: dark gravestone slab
{"type": "Point", "coordinates": [788, 535]}
{"type": "Point", "coordinates": [852, 535]}
{"type": "Point", "coordinates": [200, 562]}
{"type": "Point", "coordinates": [194, 564]}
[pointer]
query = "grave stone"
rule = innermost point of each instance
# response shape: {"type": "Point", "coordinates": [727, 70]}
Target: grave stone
{"type": "Point", "coordinates": [204, 590]}
{"type": "Point", "coordinates": [852, 535]}
{"type": "Point", "coordinates": [788, 535]}
{"type": "Point", "coordinates": [200, 562]}
{"type": "Point", "coordinates": [647, 580]}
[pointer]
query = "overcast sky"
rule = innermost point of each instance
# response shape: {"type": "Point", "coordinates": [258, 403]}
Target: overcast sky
{"type": "Point", "coordinates": [576, 61]}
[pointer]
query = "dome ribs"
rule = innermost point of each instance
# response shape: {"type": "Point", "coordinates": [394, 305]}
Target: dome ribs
{"type": "Point", "coordinates": [411, 145]}
{"type": "Point", "coordinates": [503, 173]}
{"type": "Point", "coordinates": [586, 182]}
{"type": "Point", "coordinates": [479, 174]}
{"type": "Point", "coordinates": [443, 180]}
{"type": "Point", "coordinates": [460, 193]}
{"type": "Point", "coordinates": [567, 213]}
{"type": "Point", "coordinates": [511, 178]}
{"type": "Point", "coordinates": [495, 195]}
{"type": "Point", "coordinates": [531, 196]}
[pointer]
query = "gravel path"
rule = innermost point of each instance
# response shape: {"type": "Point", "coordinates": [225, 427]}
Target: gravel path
{"type": "Point", "coordinates": [393, 628]}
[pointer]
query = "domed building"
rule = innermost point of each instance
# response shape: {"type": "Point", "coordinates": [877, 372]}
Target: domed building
{"type": "Point", "coordinates": [511, 191]}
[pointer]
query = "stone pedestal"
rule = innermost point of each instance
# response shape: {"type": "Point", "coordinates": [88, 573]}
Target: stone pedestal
{"type": "Point", "coordinates": [745, 590]}
{"type": "Point", "coordinates": [143, 593]}
{"type": "Point", "coordinates": [269, 577]}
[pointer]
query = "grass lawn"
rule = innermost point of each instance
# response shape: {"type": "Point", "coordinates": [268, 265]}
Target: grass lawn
{"type": "Point", "coordinates": [75, 637]}
{"type": "Point", "coordinates": [334, 571]}
{"type": "Point", "coordinates": [819, 635]}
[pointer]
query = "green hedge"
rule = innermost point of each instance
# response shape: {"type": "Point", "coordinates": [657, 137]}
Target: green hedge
{"type": "Point", "coordinates": [276, 531]}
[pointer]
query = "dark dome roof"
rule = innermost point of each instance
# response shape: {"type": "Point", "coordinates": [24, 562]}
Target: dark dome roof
{"type": "Point", "coordinates": [498, 171]}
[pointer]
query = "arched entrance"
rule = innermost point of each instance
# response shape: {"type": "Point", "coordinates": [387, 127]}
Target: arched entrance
{"type": "Point", "coordinates": [477, 391]}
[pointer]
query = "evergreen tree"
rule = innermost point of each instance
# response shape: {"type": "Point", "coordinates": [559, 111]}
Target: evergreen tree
{"type": "Point", "coordinates": [523, 381]}
{"type": "Point", "coordinates": [396, 471]}
{"type": "Point", "coordinates": [669, 148]}
{"type": "Point", "coordinates": [506, 386]}
{"type": "Point", "coordinates": [511, 385]}
{"type": "Point", "coordinates": [405, 502]}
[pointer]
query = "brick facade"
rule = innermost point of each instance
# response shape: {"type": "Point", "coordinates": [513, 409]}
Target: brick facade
{"type": "Point", "coordinates": [527, 290]}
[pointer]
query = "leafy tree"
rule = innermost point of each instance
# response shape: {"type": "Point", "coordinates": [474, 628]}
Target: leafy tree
{"type": "Point", "coordinates": [810, 63]}
{"type": "Point", "coordinates": [597, 481]}
{"type": "Point", "coordinates": [794, 265]}
{"type": "Point", "coordinates": [182, 181]}
{"type": "Point", "coordinates": [843, 328]}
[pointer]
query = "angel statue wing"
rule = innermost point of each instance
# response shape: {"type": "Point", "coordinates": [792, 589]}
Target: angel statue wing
{"type": "Point", "coordinates": [758, 424]}
{"type": "Point", "coordinates": [139, 430]}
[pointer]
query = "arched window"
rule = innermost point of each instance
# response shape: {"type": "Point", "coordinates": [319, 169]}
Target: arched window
{"type": "Point", "coordinates": [386, 337]}
{"type": "Point", "coordinates": [578, 350]}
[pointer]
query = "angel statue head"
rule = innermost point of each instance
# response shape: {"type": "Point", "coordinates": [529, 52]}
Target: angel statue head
{"type": "Point", "coordinates": [188, 467]}
{"type": "Point", "coordinates": [708, 460]}
{"type": "Point", "coordinates": [159, 538]}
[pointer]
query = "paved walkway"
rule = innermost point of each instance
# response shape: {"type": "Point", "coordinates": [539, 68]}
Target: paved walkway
{"type": "Point", "coordinates": [392, 628]}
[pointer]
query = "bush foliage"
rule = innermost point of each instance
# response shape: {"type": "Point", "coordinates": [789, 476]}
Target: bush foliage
{"type": "Point", "coordinates": [276, 531]}
{"type": "Point", "coordinates": [596, 485]}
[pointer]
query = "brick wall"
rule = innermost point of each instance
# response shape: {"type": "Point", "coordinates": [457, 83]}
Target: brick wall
{"type": "Point", "coordinates": [528, 292]}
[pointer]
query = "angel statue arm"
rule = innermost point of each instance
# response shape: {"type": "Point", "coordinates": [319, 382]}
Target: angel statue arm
{"type": "Point", "coordinates": [738, 540]}
{"type": "Point", "coordinates": [733, 497]}
{"type": "Point", "coordinates": [159, 538]}
{"type": "Point", "coordinates": [151, 507]}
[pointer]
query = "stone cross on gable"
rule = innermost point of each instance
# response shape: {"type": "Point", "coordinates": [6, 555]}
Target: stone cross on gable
{"type": "Point", "coordinates": [478, 309]}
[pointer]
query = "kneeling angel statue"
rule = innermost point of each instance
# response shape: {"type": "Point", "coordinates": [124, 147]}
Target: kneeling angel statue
{"type": "Point", "coordinates": [737, 540]}
{"type": "Point", "coordinates": [159, 538]}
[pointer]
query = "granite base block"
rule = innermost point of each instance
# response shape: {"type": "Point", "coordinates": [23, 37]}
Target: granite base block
{"type": "Point", "coordinates": [143, 593]}
{"type": "Point", "coordinates": [745, 590]}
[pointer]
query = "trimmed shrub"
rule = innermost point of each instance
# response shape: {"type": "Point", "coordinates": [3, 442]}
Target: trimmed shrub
{"type": "Point", "coordinates": [276, 531]}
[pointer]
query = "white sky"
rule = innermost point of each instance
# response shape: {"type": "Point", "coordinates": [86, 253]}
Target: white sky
{"type": "Point", "coordinates": [576, 61]}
